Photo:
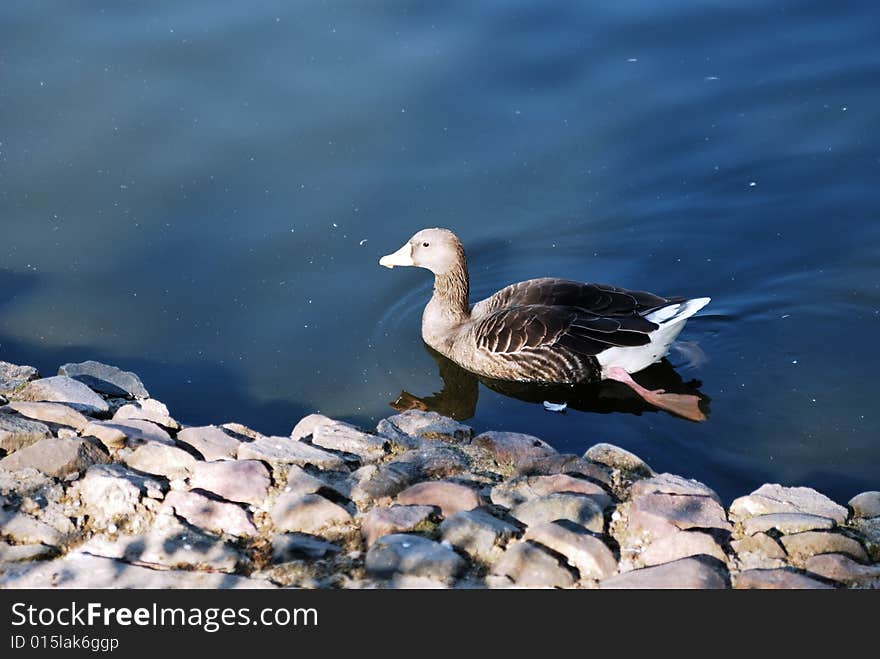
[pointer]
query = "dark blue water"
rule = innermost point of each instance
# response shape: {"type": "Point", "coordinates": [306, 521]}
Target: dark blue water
{"type": "Point", "coordinates": [200, 191]}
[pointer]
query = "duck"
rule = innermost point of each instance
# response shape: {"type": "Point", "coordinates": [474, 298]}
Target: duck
{"type": "Point", "coordinates": [547, 330]}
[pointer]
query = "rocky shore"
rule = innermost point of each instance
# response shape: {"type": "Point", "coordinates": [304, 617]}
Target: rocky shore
{"type": "Point", "coordinates": [100, 487]}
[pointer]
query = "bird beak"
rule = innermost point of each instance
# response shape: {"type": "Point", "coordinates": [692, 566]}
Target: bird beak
{"type": "Point", "coordinates": [403, 256]}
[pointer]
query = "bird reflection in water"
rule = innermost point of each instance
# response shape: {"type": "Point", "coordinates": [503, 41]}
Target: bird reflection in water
{"type": "Point", "coordinates": [458, 397]}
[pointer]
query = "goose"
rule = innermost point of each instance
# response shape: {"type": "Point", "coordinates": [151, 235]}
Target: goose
{"type": "Point", "coordinates": [547, 330]}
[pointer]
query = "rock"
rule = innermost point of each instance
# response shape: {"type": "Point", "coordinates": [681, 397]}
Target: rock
{"type": "Point", "coordinates": [843, 569]}
{"type": "Point", "coordinates": [241, 430]}
{"type": "Point", "coordinates": [565, 463]}
{"type": "Point", "coordinates": [300, 482]}
{"type": "Point", "coordinates": [308, 513]}
{"type": "Point", "coordinates": [131, 432]}
{"type": "Point", "coordinates": [372, 484]}
{"type": "Point", "coordinates": [59, 458]}
{"type": "Point", "coordinates": [658, 515]}
{"type": "Point", "coordinates": [161, 460]}
{"type": "Point", "coordinates": [512, 448]}
{"type": "Point", "coordinates": [424, 425]}
{"type": "Point", "coordinates": [288, 547]}
{"type": "Point", "coordinates": [477, 533]}
{"type": "Point", "coordinates": [211, 442]}
{"type": "Point", "coordinates": [22, 482]}
{"type": "Point", "coordinates": [780, 578]}
{"type": "Point", "coordinates": [106, 379]}
{"type": "Point", "coordinates": [869, 529]}
{"type": "Point", "coordinates": [801, 546]}
{"type": "Point", "coordinates": [206, 513]}
{"type": "Point", "coordinates": [62, 389]}
{"type": "Point", "coordinates": [412, 555]}
{"type": "Point", "coordinates": [340, 437]}
{"type": "Point", "coordinates": [550, 507]}
{"type": "Point", "coordinates": [50, 413]}
{"type": "Point", "coordinates": [13, 376]}
{"type": "Point", "coordinates": [583, 551]}
{"type": "Point", "coordinates": [759, 551]}
{"type": "Point", "coordinates": [449, 497]}
{"type": "Point", "coordinates": [17, 432]}
{"type": "Point", "coordinates": [772, 498]}
{"type": "Point", "coordinates": [306, 426]}
{"type": "Point", "coordinates": [529, 566]}
{"type": "Point", "coordinates": [617, 458]}
{"type": "Point", "coordinates": [685, 573]}
{"type": "Point", "coordinates": [436, 461]}
{"type": "Point", "coordinates": [147, 410]}
{"type": "Point", "coordinates": [407, 582]}
{"type": "Point", "coordinates": [513, 492]}
{"type": "Point", "coordinates": [681, 545]}
{"type": "Point", "coordinates": [15, 553]}
{"type": "Point", "coordinates": [24, 529]}
{"type": "Point", "coordinates": [672, 484]}
{"type": "Point", "coordinates": [283, 451]}
{"type": "Point", "coordinates": [786, 523]}
{"type": "Point", "coordinates": [244, 481]}
{"type": "Point", "coordinates": [866, 504]}
{"type": "Point", "coordinates": [110, 492]}
{"type": "Point", "coordinates": [378, 522]}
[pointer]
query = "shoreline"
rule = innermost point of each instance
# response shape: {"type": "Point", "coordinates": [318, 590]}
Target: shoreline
{"type": "Point", "coordinates": [100, 487]}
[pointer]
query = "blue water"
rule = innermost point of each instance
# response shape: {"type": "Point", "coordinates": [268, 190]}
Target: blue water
{"type": "Point", "coordinates": [199, 191]}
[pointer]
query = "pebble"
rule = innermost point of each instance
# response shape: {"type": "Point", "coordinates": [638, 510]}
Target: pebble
{"type": "Point", "coordinates": [243, 481]}
{"type": "Point", "coordinates": [106, 379]}
{"type": "Point", "coordinates": [62, 389]}
{"type": "Point", "coordinates": [412, 555]}
{"type": "Point", "coordinates": [147, 410]}
{"type": "Point", "coordinates": [683, 574]}
{"type": "Point", "coordinates": [160, 460]}
{"type": "Point", "coordinates": [843, 569]}
{"type": "Point", "coordinates": [550, 507]}
{"type": "Point", "coordinates": [588, 554]}
{"type": "Point", "coordinates": [618, 458]}
{"type": "Point", "coordinates": [216, 516]}
{"type": "Point", "coordinates": [17, 432]}
{"type": "Point", "coordinates": [800, 546]}
{"type": "Point", "coordinates": [49, 412]}
{"type": "Point", "coordinates": [512, 448]}
{"type": "Point", "coordinates": [283, 450]}
{"type": "Point", "coordinates": [866, 504]}
{"type": "Point", "coordinates": [308, 513]}
{"type": "Point", "coordinates": [775, 579]}
{"type": "Point", "coordinates": [529, 566]}
{"type": "Point", "coordinates": [773, 498]}
{"type": "Point", "coordinates": [450, 498]}
{"type": "Point", "coordinates": [212, 442]}
{"type": "Point", "coordinates": [515, 491]}
{"type": "Point", "coordinates": [59, 458]}
{"type": "Point", "coordinates": [681, 545]}
{"type": "Point", "coordinates": [395, 519]}
{"type": "Point", "coordinates": [477, 533]}
{"type": "Point", "coordinates": [786, 523]}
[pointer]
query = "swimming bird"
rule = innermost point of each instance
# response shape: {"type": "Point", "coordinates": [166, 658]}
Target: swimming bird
{"type": "Point", "coordinates": [552, 331]}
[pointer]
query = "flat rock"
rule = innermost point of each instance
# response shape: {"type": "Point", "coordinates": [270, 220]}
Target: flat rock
{"type": "Point", "coordinates": [59, 458]}
{"type": "Point", "coordinates": [208, 514]}
{"type": "Point", "coordinates": [49, 412]}
{"type": "Point", "coordinates": [800, 546]}
{"type": "Point", "coordinates": [424, 425]}
{"type": "Point", "coordinates": [300, 482]}
{"type": "Point", "coordinates": [512, 448]}
{"type": "Point", "coordinates": [62, 389]}
{"type": "Point", "coordinates": [618, 458]}
{"type": "Point", "coordinates": [373, 484]}
{"type": "Point", "coordinates": [287, 547]}
{"type": "Point", "coordinates": [412, 555]}
{"type": "Point", "coordinates": [242, 430]}
{"type": "Point", "coordinates": [565, 463]}
{"type": "Point", "coordinates": [147, 410]}
{"type": "Point", "coordinates": [685, 573]}
{"type": "Point", "coordinates": [869, 529]}
{"type": "Point", "coordinates": [212, 442]}
{"type": "Point", "coordinates": [776, 579]}
{"type": "Point", "coordinates": [161, 460]}
{"type": "Point", "coordinates": [664, 514]}
{"type": "Point", "coordinates": [866, 504]}
{"type": "Point", "coordinates": [306, 426]}
{"type": "Point", "coordinates": [562, 505]}
{"type": "Point", "coordinates": [450, 498]}
{"type": "Point", "coordinates": [24, 529]}
{"type": "Point", "coordinates": [15, 553]}
{"type": "Point", "coordinates": [477, 533]}
{"type": "Point", "coordinates": [308, 513]}
{"type": "Point", "coordinates": [758, 551]}
{"type": "Point", "coordinates": [378, 522]}
{"type": "Point", "coordinates": [529, 566]}
{"type": "Point", "coordinates": [681, 545]}
{"type": "Point", "coordinates": [244, 481]}
{"type": "Point", "coordinates": [773, 498]}
{"type": "Point", "coordinates": [111, 491]}
{"type": "Point", "coordinates": [583, 551]}
{"type": "Point", "coordinates": [786, 523]}
{"type": "Point", "coordinates": [17, 432]}
{"type": "Point", "coordinates": [283, 450]}
{"type": "Point", "coordinates": [341, 437]}
{"type": "Point", "coordinates": [672, 484]}
{"type": "Point", "coordinates": [513, 492]}
{"type": "Point", "coordinates": [13, 376]}
{"type": "Point", "coordinates": [22, 482]}
{"type": "Point", "coordinates": [439, 461]}
{"type": "Point", "coordinates": [106, 379]}
{"type": "Point", "coordinates": [130, 432]}
{"type": "Point", "coordinates": [843, 569]}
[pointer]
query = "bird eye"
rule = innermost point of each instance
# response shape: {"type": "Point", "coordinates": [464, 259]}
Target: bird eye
{"type": "Point", "coordinates": [426, 245]}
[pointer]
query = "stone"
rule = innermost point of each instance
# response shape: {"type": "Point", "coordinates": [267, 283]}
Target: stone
{"type": "Point", "coordinates": [685, 573]}
{"type": "Point", "coordinates": [681, 545]}
{"type": "Point", "coordinates": [866, 504]}
{"type": "Point", "coordinates": [772, 498]}
{"type": "Point", "coordinates": [147, 410]}
{"type": "Point", "coordinates": [425, 425]}
{"type": "Point", "coordinates": [13, 376]}
{"type": "Point", "coordinates": [242, 430]}
{"type": "Point", "coordinates": [15, 553]}
{"type": "Point", "coordinates": [131, 432]}
{"type": "Point", "coordinates": [513, 492]}
{"type": "Point", "coordinates": [287, 547]}
{"type": "Point", "coordinates": [211, 442]}
{"type": "Point", "coordinates": [450, 498]}
{"type": "Point", "coordinates": [776, 579]}
{"type": "Point", "coordinates": [583, 551]}
{"type": "Point", "coordinates": [107, 494]}
{"type": "Point", "coordinates": [395, 519]}
{"type": "Point", "coordinates": [529, 566]}
{"type": "Point", "coordinates": [618, 458]}
{"type": "Point", "coordinates": [17, 432]}
{"type": "Point", "coordinates": [672, 484]}
{"type": "Point", "coordinates": [786, 523]}
{"type": "Point", "coordinates": [512, 448]}
{"type": "Point", "coordinates": [62, 389]}
{"type": "Point", "coordinates": [372, 484]}
{"type": "Point", "coordinates": [306, 426]}
{"type": "Point", "coordinates": [244, 481]}
{"type": "Point", "coordinates": [208, 514]}
{"type": "Point", "coordinates": [300, 482]}
{"type": "Point", "coordinates": [843, 569]}
{"type": "Point", "coordinates": [24, 529]}
{"type": "Point", "coordinates": [664, 514]}
{"type": "Point", "coordinates": [562, 505]}
{"type": "Point", "coordinates": [283, 450]}
{"type": "Point", "coordinates": [161, 460]}
{"type": "Point", "coordinates": [412, 555]}
{"type": "Point", "coordinates": [308, 513]}
{"type": "Point", "coordinates": [58, 458]}
{"type": "Point", "coordinates": [340, 437]}
{"type": "Point", "coordinates": [22, 482]}
{"type": "Point", "coordinates": [477, 533]}
{"type": "Point", "coordinates": [565, 463]}
{"type": "Point", "coordinates": [439, 461]}
{"type": "Point", "coordinates": [57, 413]}
{"type": "Point", "coordinates": [758, 551]}
{"type": "Point", "coordinates": [800, 546]}
{"type": "Point", "coordinates": [106, 379]}
{"type": "Point", "coordinates": [869, 530]}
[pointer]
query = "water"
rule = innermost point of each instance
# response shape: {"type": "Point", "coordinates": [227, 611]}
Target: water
{"type": "Point", "coordinates": [200, 192]}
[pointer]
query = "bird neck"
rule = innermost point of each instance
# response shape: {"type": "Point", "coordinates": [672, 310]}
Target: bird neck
{"type": "Point", "coordinates": [448, 307]}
